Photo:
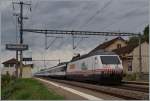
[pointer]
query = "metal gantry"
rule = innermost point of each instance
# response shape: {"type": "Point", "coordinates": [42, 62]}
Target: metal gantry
{"type": "Point", "coordinates": [90, 33]}
{"type": "Point", "coordinates": [67, 32]}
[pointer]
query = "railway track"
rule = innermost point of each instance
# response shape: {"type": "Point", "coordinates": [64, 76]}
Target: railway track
{"type": "Point", "coordinates": [135, 82]}
{"type": "Point", "coordinates": [134, 87]}
{"type": "Point", "coordinates": [122, 91]}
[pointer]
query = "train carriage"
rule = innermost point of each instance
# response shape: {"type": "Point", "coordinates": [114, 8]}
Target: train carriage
{"type": "Point", "coordinates": [58, 71]}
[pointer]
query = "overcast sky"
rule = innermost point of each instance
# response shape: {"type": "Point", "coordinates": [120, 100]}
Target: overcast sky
{"type": "Point", "coordinates": [92, 15]}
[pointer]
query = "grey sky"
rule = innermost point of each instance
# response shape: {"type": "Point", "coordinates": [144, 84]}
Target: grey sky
{"type": "Point", "coordinates": [93, 15]}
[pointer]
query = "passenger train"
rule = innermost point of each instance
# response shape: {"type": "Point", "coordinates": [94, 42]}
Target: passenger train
{"type": "Point", "coordinates": [99, 67]}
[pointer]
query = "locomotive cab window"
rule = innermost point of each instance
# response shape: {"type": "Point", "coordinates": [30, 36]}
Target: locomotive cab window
{"type": "Point", "coordinates": [110, 60]}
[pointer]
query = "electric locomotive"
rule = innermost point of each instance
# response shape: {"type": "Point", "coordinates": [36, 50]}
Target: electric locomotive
{"type": "Point", "coordinates": [100, 66]}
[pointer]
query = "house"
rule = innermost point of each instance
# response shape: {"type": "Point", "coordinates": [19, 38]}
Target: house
{"type": "Point", "coordinates": [27, 71]}
{"type": "Point", "coordinates": [9, 66]}
{"type": "Point", "coordinates": [115, 43]}
{"type": "Point", "coordinates": [130, 58]}
{"type": "Point", "coordinates": [128, 54]}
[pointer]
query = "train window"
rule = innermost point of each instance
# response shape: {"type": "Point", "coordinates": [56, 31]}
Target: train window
{"type": "Point", "coordinates": [62, 68]}
{"type": "Point", "coordinates": [110, 60]}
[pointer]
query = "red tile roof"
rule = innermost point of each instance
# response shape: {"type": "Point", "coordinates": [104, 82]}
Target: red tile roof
{"type": "Point", "coordinates": [106, 44]}
{"type": "Point", "coordinates": [126, 49]}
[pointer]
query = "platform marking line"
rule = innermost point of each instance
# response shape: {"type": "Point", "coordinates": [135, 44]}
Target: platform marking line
{"type": "Point", "coordinates": [84, 95]}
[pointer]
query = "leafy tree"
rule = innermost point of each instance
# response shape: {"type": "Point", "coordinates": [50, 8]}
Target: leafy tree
{"type": "Point", "coordinates": [133, 41]}
{"type": "Point", "coordinates": [146, 33]}
{"type": "Point", "coordinates": [144, 37]}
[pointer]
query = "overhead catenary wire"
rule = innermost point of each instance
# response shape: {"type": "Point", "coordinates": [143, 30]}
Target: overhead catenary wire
{"type": "Point", "coordinates": [62, 43]}
{"type": "Point", "coordinates": [96, 13]}
{"type": "Point", "coordinates": [79, 42]}
{"type": "Point", "coordinates": [52, 42]}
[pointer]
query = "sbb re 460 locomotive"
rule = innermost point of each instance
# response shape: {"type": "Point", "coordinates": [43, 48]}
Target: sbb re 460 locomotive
{"type": "Point", "coordinates": [101, 67]}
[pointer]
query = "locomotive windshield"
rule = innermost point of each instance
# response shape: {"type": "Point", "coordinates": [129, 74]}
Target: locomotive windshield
{"type": "Point", "coordinates": [110, 60]}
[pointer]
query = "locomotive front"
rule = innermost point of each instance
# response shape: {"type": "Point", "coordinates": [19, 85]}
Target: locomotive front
{"type": "Point", "coordinates": [111, 68]}
{"type": "Point", "coordinates": [100, 67]}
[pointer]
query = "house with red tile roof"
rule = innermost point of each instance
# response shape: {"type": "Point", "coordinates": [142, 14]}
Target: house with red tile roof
{"type": "Point", "coordinates": [110, 45]}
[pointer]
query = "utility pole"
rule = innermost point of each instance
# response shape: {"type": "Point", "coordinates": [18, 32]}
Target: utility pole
{"type": "Point", "coordinates": [21, 3]}
{"type": "Point", "coordinates": [21, 36]}
{"type": "Point", "coordinates": [73, 41]}
{"type": "Point", "coordinates": [16, 66]}
{"type": "Point", "coordinates": [140, 58]}
{"type": "Point", "coordinates": [73, 45]}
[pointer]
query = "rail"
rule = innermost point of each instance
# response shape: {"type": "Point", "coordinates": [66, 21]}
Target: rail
{"type": "Point", "coordinates": [118, 92]}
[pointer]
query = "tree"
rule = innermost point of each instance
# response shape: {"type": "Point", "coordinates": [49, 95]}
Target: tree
{"type": "Point", "coordinates": [146, 33]}
{"type": "Point", "coordinates": [144, 37]}
{"type": "Point", "coordinates": [133, 40]}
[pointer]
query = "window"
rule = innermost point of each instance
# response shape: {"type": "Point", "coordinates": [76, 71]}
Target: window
{"type": "Point", "coordinates": [118, 45]}
{"type": "Point", "coordinates": [6, 65]}
{"type": "Point", "coordinates": [129, 65]}
{"type": "Point", "coordinates": [63, 68]}
{"type": "Point", "coordinates": [110, 60]}
{"type": "Point", "coordinates": [11, 65]}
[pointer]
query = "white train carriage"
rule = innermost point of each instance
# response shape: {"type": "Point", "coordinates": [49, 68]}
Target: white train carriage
{"type": "Point", "coordinates": [43, 73]}
{"type": "Point", "coordinates": [58, 71]}
{"type": "Point", "coordinates": [98, 66]}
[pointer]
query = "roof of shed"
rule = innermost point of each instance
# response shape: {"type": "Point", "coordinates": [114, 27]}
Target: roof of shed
{"type": "Point", "coordinates": [11, 61]}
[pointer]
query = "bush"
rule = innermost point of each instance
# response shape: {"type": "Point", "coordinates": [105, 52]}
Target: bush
{"type": "Point", "coordinates": [131, 77]}
{"type": "Point", "coordinates": [7, 83]}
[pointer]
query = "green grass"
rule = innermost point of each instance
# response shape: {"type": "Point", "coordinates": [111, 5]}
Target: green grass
{"type": "Point", "coordinates": [29, 89]}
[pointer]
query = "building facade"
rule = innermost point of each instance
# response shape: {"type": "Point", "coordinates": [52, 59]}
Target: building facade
{"type": "Point", "coordinates": [145, 58]}
{"type": "Point", "coordinates": [130, 58]}
{"type": "Point", "coordinates": [9, 67]}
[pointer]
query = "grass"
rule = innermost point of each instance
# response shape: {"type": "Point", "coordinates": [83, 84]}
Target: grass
{"type": "Point", "coordinates": [29, 89]}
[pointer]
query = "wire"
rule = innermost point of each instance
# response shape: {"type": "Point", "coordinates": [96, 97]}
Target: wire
{"type": "Point", "coordinates": [61, 44]}
{"type": "Point", "coordinates": [96, 13]}
{"type": "Point", "coordinates": [82, 39]}
{"type": "Point", "coordinates": [75, 18]}
{"type": "Point", "coordinates": [46, 47]}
